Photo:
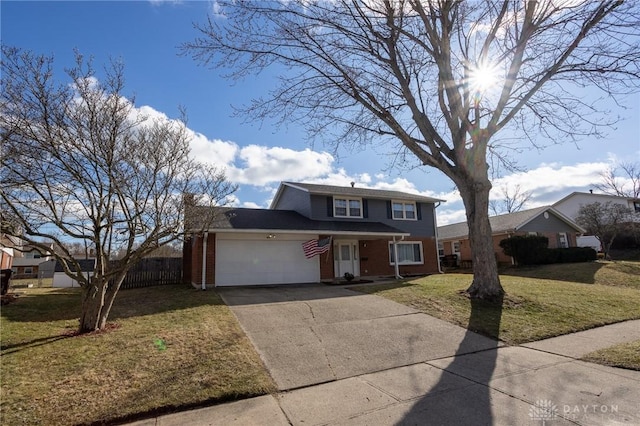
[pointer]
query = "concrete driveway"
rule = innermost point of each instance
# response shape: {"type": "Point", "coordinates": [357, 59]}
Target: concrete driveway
{"type": "Point", "coordinates": [314, 334]}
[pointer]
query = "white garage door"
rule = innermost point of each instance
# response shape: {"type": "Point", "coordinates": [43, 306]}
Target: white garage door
{"type": "Point", "coordinates": [263, 261]}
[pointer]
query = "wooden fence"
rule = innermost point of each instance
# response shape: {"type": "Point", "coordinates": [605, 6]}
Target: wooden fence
{"type": "Point", "coordinates": [154, 271]}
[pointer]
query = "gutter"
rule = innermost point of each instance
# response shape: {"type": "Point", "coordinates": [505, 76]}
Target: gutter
{"type": "Point", "coordinates": [396, 266]}
{"type": "Point", "coordinates": [435, 232]}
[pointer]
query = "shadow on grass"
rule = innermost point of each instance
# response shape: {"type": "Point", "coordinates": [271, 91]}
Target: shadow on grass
{"type": "Point", "coordinates": [584, 272]}
{"type": "Point", "coordinates": [65, 304]}
{"type": "Point", "coordinates": [17, 347]}
{"type": "Point", "coordinates": [454, 400]}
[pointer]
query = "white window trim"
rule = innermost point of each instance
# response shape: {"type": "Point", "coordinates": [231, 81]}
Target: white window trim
{"type": "Point", "coordinates": [407, 243]}
{"type": "Point", "coordinates": [566, 239]}
{"type": "Point", "coordinates": [404, 211]}
{"type": "Point", "coordinates": [348, 210]}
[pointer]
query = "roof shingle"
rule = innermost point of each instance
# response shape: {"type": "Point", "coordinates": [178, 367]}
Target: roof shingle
{"type": "Point", "coordinates": [499, 224]}
{"type": "Point", "coordinates": [361, 192]}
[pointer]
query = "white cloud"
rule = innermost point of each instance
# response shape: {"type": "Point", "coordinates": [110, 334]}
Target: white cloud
{"type": "Point", "coordinates": [263, 168]}
{"type": "Point", "coordinates": [251, 205]}
{"type": "Point", "coordinates": [549, 179]}
{"type": "Point", "coordinates": [216, 151]}
{"type": "Point", "coordinates": [261, 165]}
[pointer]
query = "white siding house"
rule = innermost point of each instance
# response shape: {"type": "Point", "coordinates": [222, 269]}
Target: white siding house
{"type": "Point", "coordinates": [570, 205]}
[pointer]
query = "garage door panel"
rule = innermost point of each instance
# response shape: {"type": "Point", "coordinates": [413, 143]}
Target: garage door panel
{"type": "Point", "coordinates": [255, 262]}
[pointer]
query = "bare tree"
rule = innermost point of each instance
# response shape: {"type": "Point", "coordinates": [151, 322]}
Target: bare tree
{"type": "Point", "coordinates": [604, 221]}
{"type": "Point", "coordinates": [622, 179]}
{"type": "Point", "coordinates": [81, 164]}
{"type": "Point", "coordinates": [513, 201]}
{"type": "Point", "coordinates": [438, 79]}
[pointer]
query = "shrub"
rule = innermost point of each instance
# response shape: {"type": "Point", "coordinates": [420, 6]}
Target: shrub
{"type": "Point", "coordinates": [526, 250]}
{"type": "Point", "coordinates": [569, 255]}
{"type": "Point", "coordinates": [532, 250]}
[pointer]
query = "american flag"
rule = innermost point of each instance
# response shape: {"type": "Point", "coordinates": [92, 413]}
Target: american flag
{"type": "Point", "coordinates": [315, 247]}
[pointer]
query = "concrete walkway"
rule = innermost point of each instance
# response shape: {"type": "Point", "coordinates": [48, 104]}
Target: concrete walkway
{"type": "Point", "coordinates": [343, 358]}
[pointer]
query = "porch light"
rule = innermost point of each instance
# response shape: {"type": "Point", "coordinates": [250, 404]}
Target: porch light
{"type": "Point", "coordinates": [270, 236]}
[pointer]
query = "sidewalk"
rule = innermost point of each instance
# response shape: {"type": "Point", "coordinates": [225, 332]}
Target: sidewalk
{"type": "Point", "coordinates": [539, 383]}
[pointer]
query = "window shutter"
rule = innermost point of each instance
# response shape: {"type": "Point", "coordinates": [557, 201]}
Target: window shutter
{"type": "Point", "coordinates": [330, 206]}
{"type": "Point", "coordinates": [419, 211]}
{"type": "Point", "coordinates": [389, 213]}
{"type": "Point", "coordinates": [365, 208]}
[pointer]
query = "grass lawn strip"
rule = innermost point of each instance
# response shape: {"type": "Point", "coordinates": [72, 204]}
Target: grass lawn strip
{"type": "Point", "coordinates": [626, 355]}
{"type": "Point", "coordinates": [533, 309]}
{"type": "Point", "coordinates": [171, 346]}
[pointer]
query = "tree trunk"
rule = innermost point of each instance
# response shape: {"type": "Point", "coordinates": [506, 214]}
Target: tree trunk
{"type": "Point", "coordinates": [97, 300]}
{"type": "Point", "coordinates": [486, 282]}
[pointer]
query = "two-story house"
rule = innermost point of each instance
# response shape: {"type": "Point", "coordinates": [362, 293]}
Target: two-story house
{"type": "Point", "coordinates": [366, 230]}
{"type": "Point", "coordinates": [570, 205]}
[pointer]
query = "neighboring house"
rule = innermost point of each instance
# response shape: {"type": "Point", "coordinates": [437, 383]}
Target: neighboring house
{"type": "Point", "coordinates": [8, 250]}
{"type": "Point", "coordinates": [32, 268]}
{"type": "Point", "coordinates": [30, 262]}
{"type": "Point", "coordinates": [60, 279]}
{"type": "Point", "coordinates": [6, 257]}
{"type": "Point", "coordinates": [545, 221]}
{"type": "Point", "coordinates": [570, 205]}
{"type": "Point", "coordinates": [365, 229]}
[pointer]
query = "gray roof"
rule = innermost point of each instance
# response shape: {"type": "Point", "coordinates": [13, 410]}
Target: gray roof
{"type": "Point", "coordinates": [241, 219]}
{"type": "Point", "coordinates": [509, 222]}
{"type": "Point", "coordinates": [356, 192]}
{"type": "Point", "coordinates": [86, 265]}
{"type": "Point", "coordinates": [595, 195]}
{"type": "Point", "coordinates": [28, 261]}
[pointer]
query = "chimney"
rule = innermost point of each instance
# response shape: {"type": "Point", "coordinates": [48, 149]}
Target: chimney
{"type": "Point", "coordinates": [353, 184]}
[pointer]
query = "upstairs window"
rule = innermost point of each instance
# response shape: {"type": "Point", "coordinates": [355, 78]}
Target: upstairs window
{"type": "Point", "coordinates": [403, 210]}
{"type": "Point", "coordinates": [347, 207]}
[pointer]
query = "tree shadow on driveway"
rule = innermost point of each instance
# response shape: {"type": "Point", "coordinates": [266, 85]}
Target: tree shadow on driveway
{"type": "Point", "coordinates": [462, 395]}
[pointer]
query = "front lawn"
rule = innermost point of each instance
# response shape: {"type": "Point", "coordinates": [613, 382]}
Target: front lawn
{"type": "Point", "coordinates": [533, 308]}
{"type": "Point", "coordinates": [626, 355]}
{"type": "Point", "coordinates": [169, 347]}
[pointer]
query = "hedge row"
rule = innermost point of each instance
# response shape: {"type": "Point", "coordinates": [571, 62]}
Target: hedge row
{"type": "Point", "coordinates": [533, 250]}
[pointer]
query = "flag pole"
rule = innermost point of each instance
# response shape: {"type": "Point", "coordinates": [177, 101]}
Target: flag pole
{"type": "Point", "coordinates": [330, 248]}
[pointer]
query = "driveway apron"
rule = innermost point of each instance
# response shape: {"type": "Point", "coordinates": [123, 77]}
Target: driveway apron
{"type": "Point", "coordinates": [311, 334]}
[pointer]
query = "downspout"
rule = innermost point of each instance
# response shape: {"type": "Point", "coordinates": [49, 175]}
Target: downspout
{"type": "Point", "coordinates": [435, 232]}
{"type": "Point", "coordinates": [395, 257]}
{"type": "Point", "coordinates": [513, 261]}
{"type": "Point", "coordinates": [204, 260]}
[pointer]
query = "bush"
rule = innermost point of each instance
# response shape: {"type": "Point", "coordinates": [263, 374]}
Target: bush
{"type": "Point", "coordinates": [532, 250]}
{"type": "Point", "coordinates": [569, 255]}
{"type": "Point", "coordinates": [526, 250]}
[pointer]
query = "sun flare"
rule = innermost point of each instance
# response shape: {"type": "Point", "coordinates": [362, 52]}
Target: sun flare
{"type": "Point", "coordinates": [482, 77]}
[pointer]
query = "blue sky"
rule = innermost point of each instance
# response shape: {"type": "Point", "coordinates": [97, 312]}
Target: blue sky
{"type": "Point", "coordinates": [146, 35]}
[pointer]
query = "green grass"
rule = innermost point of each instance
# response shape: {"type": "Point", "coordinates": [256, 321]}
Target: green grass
{"type": "Point", "coordinates": [620, 273]}
{"type": "Point", "coordinates": [626, 355]}
{"type": "Point", "coordinates": [563, 299]}
{"type": "Point", "coordinates": [169, 347]}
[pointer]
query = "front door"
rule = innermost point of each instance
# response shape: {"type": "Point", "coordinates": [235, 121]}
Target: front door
{"type": "Point", "coordinates": [346, 258]}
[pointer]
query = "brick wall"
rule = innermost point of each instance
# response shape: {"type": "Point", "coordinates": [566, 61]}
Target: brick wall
{"type": "Point", "coordinates": [374, 258]}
